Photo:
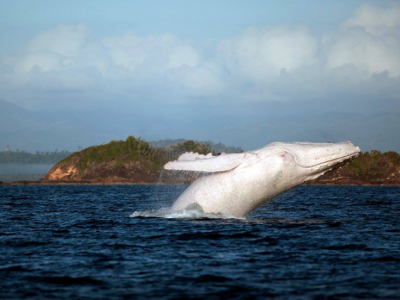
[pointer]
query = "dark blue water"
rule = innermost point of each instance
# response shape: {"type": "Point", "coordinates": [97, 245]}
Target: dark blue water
{"type": "Point", "coordinates": [78, 242]}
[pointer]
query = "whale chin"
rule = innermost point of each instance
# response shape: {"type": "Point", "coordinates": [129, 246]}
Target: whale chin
{"type": "Point", "coordinates": [241, 182]}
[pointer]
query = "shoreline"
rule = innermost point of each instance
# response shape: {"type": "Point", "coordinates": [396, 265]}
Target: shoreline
{"type": "Point", "coordinates": [64, 183]}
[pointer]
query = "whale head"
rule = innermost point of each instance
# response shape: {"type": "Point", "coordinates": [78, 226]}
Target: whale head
{"type": "Point", "coordinates": [311, 160]}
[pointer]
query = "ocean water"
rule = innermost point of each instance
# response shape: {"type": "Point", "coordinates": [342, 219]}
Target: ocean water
{"type": "Point", "coordinates": [118, 242]}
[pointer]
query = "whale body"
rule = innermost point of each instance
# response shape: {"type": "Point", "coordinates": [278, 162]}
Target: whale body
{"type": "Point", "coordinates": [240, 182]}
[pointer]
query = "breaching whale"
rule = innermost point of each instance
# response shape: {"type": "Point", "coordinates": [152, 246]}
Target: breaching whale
{"type": "Point", "coordinates": [240, 182]}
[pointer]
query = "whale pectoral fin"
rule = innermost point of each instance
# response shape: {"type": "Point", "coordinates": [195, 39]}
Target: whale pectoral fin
{"type": "Point", "coordinates": [193, 156]}
{"type": "Point", "coordinates": [203, 163]}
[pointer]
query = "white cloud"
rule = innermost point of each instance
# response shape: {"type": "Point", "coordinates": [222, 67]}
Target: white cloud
{"type": "Point", "coordinates": [370, 40]}
{"type": "Point", "coordinates": [369, 53]}
{"type": "Point", "coordinates": [152, 54]}
{"type": "Point", "coordinates": [376, 21]}
{"type": "Point", "coordinates": [44, 61]}
{"type": "Point", "coordinates": [261, 54]}
{"type": "Point", "coordinates": [66, 40]}
{"type": "Point", "coordinates": [273, 63]}
{"type": "Point", "coordinates": [56, 57]}
{"type": "Point", "coordinates": [204, 80]}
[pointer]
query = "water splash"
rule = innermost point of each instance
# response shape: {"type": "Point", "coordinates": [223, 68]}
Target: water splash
{"type": "Point", "coordinates": [193, 211]}
{"type": "Point", "coordinates": [166, 194]}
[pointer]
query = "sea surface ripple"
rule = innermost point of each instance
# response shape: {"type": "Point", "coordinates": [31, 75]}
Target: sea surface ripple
{"type": "Point", "coordinates": [118, 242]}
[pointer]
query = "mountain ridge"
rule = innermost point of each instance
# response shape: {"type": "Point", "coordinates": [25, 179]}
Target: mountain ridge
{"type": "Point", "coordinates": [33, 131]}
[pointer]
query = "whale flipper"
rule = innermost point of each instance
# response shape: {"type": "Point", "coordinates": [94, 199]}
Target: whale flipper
{"type": "Point", "coordinates": [190, 161]}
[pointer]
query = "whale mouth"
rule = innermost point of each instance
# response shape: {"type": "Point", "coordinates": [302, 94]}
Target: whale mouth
{"type": "Point", "coordinates": [330, 161]}
{"type": "Point", "coordinates": [310, 155]}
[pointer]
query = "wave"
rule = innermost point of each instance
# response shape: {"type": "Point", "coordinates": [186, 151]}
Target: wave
{"type": "Point", "coordinates": [192, 211]}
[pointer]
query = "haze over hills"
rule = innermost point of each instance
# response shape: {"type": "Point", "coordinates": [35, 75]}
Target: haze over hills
{"type": "Point", "coordinates": [32, 131]}
{"type": "Point", "coordinates": [368, 132]}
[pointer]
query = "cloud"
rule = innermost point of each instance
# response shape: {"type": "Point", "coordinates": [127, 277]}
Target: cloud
{"type": "Point", "coordinates": [69, 57]}
{"type": "Point", "coordinates": [289, 63]}
{"type": "Point", "coordinates": [280, 63]}
{"type": "Point", "coordinates": [43, 61]}
{"type": "Point", "coordinates": [261, 54]}
{"type": "Point", "coordinates": [374, 20]}
{"type": "Point", "coordinates": [369, 53]}
{"type": "Point", "coordinates": [66, 40]}
{"type": "Point", "coordinates": [370, 40]}
{"type": "Point", "coordinates": [149, 55]}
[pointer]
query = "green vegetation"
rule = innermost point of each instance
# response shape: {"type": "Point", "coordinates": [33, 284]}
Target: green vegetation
{"type": "Point", "coordinates": [192, 146]}
{"type": "Point", "coordinates": [119, 152]}
{"type": "Point", "coordinates": [24, 157]}
{"type": "Point", "coordinates": [116, 153]}
{"type": "Point", "coordinates": [166, 143]}
{"type": "Point", "coordinates": [213, 147]}
{"type": "Point", "coordinates": [374, 164]}
{"type": "Point", "coordinates": [219, 148]}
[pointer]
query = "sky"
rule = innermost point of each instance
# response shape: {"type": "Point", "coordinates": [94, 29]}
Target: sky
{"type": "Point", "coordinates": [182, 66]}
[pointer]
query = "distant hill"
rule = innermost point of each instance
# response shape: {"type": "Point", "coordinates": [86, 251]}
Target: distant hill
{"type": "Point", "coordinates": [369, 132]}
{"type": "Point", "coordinates": [376, 132]}
{"type": "Point", "coordinates": [24, 157]}
{"type": "Point", "coordinates": [23, 165]}
{"type": "Point", "coordinates": [30, 131]}
{"type": "Point", "coordinates": [67, 130]}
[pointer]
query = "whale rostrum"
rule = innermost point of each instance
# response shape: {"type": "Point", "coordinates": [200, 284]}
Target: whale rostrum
{"type": "Point", "coordinates": [240, 182]}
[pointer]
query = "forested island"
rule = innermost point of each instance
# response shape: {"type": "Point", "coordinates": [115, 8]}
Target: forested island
{"type": "Point", "coordinates": [21, 165]}
{"type": "Point", "coordinates": [369, 168]}
{"type": "Point", "coordinates": [136, 161]}
{"type": "Point", "coordinates": [131, 161]}
{"type": "Point", "coordinates": [52, 157]}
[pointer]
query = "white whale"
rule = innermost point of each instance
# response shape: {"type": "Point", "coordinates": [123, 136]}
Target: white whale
{"type": "Point", "coordinates": [241, 182]}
